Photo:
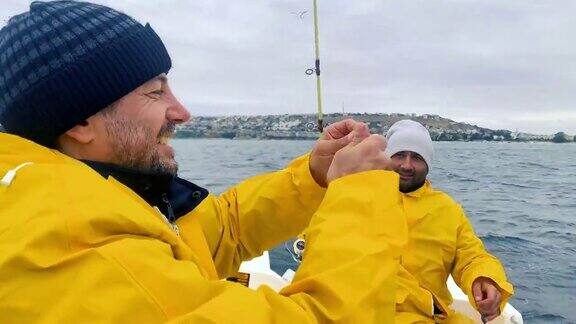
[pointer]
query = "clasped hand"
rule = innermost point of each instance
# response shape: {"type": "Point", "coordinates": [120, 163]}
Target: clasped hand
{"type": "Point", "coordinates": [347, 147]}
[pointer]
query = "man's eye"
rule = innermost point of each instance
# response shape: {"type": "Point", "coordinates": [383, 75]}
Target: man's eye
{"type": "Point", "coordinates": [156, 93]}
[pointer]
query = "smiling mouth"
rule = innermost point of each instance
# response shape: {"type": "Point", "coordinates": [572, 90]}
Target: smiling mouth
{"type": "Point", "coordinates": [166, 133]}
{"type": "Point", "coordinates": [164, 139]}
{"type": "Point", "coordinates": [406, 176]}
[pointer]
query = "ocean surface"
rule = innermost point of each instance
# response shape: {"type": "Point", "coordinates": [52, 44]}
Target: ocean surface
{"type": "Point", "coordinates": [520, 197]}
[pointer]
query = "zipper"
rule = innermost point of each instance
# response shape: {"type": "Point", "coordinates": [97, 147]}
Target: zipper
{"type": "Point", "coordinates": [171, 218]}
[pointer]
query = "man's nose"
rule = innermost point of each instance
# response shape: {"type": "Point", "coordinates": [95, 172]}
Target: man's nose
{"type": "Point", "coordinates": [407, 164]}
{"type": "Point", "coordinates": [177, 113]}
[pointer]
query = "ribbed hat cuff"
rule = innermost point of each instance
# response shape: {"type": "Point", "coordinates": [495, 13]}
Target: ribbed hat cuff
{"type": "Point", "coordinates": [87, 86]}
{"type": "Point", "coordinates": [394, 148]}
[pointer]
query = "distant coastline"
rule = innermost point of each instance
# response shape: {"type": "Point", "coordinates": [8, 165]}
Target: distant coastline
{"type": "Point", "coordinates": [297, 127]}
{"type": "Point", "coordinates": [303, 127]}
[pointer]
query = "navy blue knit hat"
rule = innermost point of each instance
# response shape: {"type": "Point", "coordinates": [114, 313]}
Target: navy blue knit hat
{"type": "Point", "coordinates": [63, 61]}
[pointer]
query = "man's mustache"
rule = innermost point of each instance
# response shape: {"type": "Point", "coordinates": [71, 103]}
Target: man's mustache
{"type": "Point", "coordinates": [167, 130]}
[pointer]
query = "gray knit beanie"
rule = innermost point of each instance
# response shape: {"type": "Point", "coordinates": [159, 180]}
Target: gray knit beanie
{"type": "Point", "coordinates": [408, 135]}
{"type": "Point", "coordinates": [63, 61]}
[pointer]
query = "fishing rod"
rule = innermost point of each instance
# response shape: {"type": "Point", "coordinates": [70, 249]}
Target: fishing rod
{"type": "Point", "coordinates": [316, 70]}
{"type": "Point", "coordinates": [297, 250]}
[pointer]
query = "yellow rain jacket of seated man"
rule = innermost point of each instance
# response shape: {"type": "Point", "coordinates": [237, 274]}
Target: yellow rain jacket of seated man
{"type": "Point", "coordinates": [441, 241]}
{"type": "Point", "coordinates": [78, 248]}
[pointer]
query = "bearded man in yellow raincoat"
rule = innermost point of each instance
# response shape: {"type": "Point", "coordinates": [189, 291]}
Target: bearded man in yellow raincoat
{"type": "Point", "coordinates": [95, 226]}
{"type": "Point", "coordinates": [441, 240]}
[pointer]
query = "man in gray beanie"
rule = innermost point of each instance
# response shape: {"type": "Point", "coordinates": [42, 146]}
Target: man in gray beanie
{"type": "Point", "coordinates": [409, 141]}
{"type": "Point", "coordinates": [95, 225]}
{"type": "Point", "coordinates": [442, 241]}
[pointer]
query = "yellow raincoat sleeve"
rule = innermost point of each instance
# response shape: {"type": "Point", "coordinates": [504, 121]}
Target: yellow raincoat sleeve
{"type": "Point", "coordinates": [255, 215]}
{"type": "Point", "coordinates": [348, 273]}
{"type": "Point", "coordinates": [472, 261]}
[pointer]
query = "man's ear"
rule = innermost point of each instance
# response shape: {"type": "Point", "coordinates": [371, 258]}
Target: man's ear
{"type": "Point", "coordinates": [83, 133]}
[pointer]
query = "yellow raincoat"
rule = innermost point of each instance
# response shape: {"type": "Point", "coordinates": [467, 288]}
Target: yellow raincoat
{"type": "Point", "coordinates": [441, 242]}
{"type": "Point", "coordinates": [78, 248]}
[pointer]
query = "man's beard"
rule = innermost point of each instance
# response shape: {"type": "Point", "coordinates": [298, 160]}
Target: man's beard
{"type": "Point", "coordinates": [134, 146]}
{"type": "Point", "coordinates": [418, 180]}
{"type": "Point", "coordinates": [412, 185]}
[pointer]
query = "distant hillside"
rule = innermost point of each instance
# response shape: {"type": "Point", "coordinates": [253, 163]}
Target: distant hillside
{"type": "Point", "coordinates": [304, 127]}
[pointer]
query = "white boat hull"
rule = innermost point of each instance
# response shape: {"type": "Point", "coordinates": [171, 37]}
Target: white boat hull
{"type": "Point", "coordinates": [261, 274]}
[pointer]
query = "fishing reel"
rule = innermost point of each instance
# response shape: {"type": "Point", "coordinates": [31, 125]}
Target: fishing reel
{"type": "Point", "coordinates": [298, 248]}
{"type": "Point", "coordinates": [297, 251]}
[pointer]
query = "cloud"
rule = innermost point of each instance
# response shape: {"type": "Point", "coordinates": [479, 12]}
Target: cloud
{"type": "Point", "coordinates": [503, 64]}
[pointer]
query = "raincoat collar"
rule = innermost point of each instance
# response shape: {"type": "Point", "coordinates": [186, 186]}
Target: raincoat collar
{"type": "Point", "coordinates": [175, 197]}
{"type": "Point", "coordinates": [147, 185]}
{"type": "Point", "coordinates": [422, 191]}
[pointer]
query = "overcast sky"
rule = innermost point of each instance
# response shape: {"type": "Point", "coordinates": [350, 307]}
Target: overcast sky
{"type": "Point", "coordinates": [499, 64]}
